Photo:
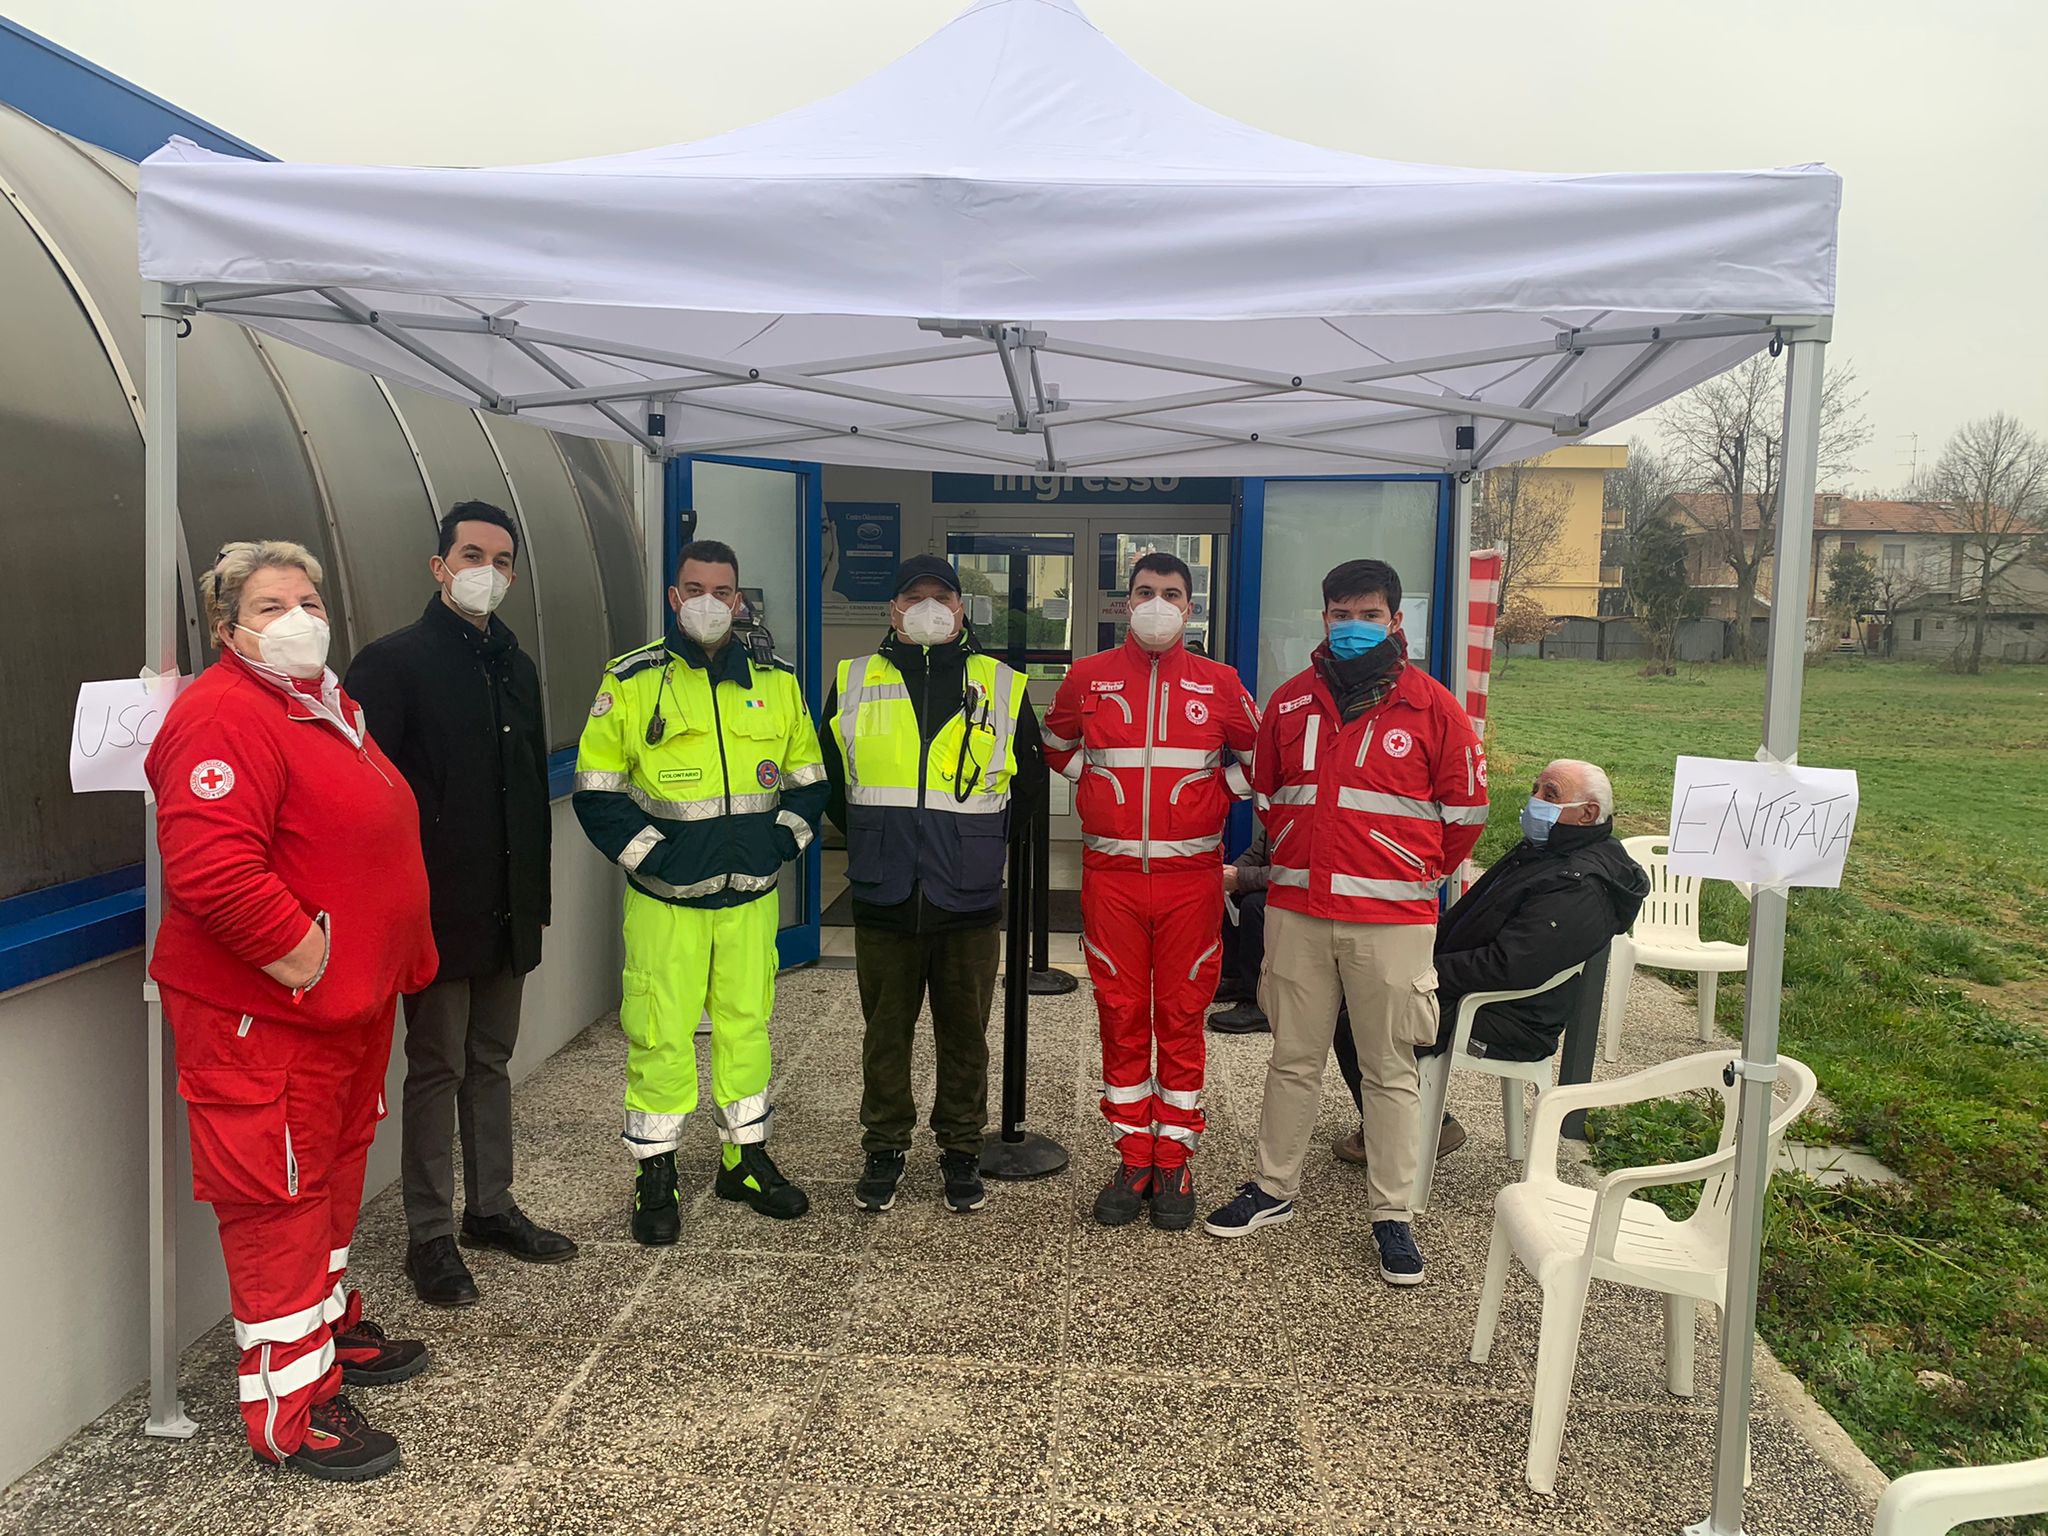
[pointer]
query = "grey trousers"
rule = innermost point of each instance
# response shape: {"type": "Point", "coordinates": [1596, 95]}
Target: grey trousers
{"type": "Point", "coordinates": [458, 1039]}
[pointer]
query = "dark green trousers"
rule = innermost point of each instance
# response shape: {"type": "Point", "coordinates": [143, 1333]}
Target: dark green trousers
{"type": "Point", "coordinates": [958, 969]}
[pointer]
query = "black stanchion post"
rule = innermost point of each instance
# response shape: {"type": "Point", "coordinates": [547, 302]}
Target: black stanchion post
{"type": "Point", "coordinates": [1017, 1153]}
{"type": "Point", "coordinates": [1044, 980]}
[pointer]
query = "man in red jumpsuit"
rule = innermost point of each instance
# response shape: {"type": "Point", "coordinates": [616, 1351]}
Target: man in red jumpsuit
{"type": "Point", "coordinates": [1142, 731]}
{"type": "Point", "coordinates": [295, 913]}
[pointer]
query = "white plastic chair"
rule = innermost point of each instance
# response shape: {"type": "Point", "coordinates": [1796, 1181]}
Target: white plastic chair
{"type": "Point", "coordinates": [1567, 1236]}
{"type": "Point", "coordinates": [1666, 936]}
{"type": "Point", "coordinates": [1436, 1082]}
{"type": "Point", "coordinates": [1935, 1503]}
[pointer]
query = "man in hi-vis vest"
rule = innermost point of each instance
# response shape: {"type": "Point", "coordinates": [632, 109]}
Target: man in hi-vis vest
{"type": "Point", "coordinates": [699, 774]}
{"type": "Point", "coordinates": [931, 748]}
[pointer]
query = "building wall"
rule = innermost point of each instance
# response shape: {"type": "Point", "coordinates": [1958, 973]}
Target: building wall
{"type": "Point", "coordinates": [1580, 471]}
{"type": "Point", "coordinates": [74, 1117]}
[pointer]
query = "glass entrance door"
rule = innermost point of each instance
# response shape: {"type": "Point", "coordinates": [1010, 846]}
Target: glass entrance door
{"type": "Point", "coordinates": [770, 512]}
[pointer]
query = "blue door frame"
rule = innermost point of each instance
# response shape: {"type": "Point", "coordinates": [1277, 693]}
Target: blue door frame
{"type": "Point", "coordinates": [797, 944]}
{"type": "Point", "coordinates": [1247, 572]}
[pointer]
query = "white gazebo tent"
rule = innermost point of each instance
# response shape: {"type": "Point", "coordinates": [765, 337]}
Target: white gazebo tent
{"type": "Point", "coordinates": [1013, 250]}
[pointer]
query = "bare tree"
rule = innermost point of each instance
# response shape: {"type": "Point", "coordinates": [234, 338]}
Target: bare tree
{"type": "Point", "coordinates": [1724, 439]}
{"type": "Point", "coordinates": [1993, 476]}
{"type": "Point", "coordinates": [1639, 489]}
{"type": "Point", "coordinates": [1521, 512]}
{"type": "Point", "coordinates": [1897, 585]}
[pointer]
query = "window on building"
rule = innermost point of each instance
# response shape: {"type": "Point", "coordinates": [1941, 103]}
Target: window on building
{"type": "Point", "coordinates": [1895, 557]}
{"type": "Point", "coordinates": [2026, 623]}
{"type": "Point", "coordinates": [1848, 546]}
{"type": "Point", "coordinates": [1916, 629]}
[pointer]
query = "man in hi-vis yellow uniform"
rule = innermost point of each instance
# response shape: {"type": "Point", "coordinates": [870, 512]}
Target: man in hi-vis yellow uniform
{"type": "Point", "coordinates": [699, 774]}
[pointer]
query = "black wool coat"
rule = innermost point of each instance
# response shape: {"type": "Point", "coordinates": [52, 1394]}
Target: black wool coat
{"type": "Point", "coordinates": [1541, 909]}
{"type": "Point", "coordinates": [458, 709]}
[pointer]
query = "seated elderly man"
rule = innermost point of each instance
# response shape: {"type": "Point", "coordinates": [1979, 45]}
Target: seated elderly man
{"type": "Point", "coordinates": [1552, 900]}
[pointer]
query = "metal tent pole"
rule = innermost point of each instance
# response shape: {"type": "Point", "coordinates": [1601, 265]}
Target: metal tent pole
{"type": "Point", "coordinates": [1758, 1066]}
{"type": "Point", "coordinates": [160, 323]}
{"type": "Point", "coordinates": [1459, 629]}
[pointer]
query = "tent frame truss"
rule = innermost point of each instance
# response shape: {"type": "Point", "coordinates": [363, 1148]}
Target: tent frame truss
{"type": "Point", "coordinates": [1035, 407]}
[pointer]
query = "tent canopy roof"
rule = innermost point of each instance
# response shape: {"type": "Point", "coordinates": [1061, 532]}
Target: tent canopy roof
{"type": "Point", "coordinates": [1014, 249]}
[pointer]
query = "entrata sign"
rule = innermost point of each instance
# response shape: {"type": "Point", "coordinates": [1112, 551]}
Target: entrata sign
{"type": "Point", "coordinates": [1170, 490]}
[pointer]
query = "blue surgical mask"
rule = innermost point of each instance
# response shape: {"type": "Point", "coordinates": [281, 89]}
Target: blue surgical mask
{"type": "Point", "coordinates": [1352, 638]}
{"type": "Point", "coordinates": [1540, 815]}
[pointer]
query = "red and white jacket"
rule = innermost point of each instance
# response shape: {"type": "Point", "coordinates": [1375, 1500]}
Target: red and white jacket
{"type": "Point", "coordinates": [1143, 735]}
{"type": "Point", "coordinates": [1365, 820]}
{"type": "Point", "coordinates": [275, 810]}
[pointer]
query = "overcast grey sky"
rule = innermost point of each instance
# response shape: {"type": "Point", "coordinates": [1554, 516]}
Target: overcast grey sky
{"type": "Point", "coordinates": [1932, 113]}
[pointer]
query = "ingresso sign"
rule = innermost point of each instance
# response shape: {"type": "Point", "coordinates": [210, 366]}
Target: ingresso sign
{"type": "Point", "coordinates": [1171, 490]}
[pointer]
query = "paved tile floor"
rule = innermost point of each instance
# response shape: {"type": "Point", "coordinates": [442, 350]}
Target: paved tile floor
{"type": "Point", "coordinates": [1019, 1370]}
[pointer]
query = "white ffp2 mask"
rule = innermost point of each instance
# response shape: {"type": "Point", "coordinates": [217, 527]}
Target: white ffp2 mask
{"type": "Point", "coordinates": [479, 589]}
{"type": "Point", "coordinates": [295, 642]}
{"type": "Point", "coordinates": [929, 622]}
{"type": "Point", "coordinates": [1157, 622]}
{"type": "Point", "coordinates": [704, 618]}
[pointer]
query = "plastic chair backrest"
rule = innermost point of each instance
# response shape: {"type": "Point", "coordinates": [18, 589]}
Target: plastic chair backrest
{"type": "Point", "coordinates": [1795, 1090]}
{"type": "Point", "coordinates": [1672, 909]}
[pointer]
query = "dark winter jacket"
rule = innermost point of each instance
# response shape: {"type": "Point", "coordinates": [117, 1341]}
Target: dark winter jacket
{"type": "Point", "coordinates": [937, 678]}
{"type": "Point", "coordinates": [458, 709]}
{"type": "Point", "coordinates": [1540, 910]}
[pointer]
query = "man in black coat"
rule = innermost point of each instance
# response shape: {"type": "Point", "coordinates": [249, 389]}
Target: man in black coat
{"type": "Point", "coordinates": [456, 704]}
{"type": "Point", "coordinates": [1554, 899]}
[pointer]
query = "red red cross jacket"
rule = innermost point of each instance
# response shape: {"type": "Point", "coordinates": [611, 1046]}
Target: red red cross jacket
{"type": "Point", "coordinates": [269, 816]}
{"type": "Point", "coordinates": [1364, 820]}
{"type": "Point", "coordinates": [1142, 735]}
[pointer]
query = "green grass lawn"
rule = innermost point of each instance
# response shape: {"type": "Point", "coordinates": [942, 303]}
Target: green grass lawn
{"type": "Point", "coordinates": [1919, 994]}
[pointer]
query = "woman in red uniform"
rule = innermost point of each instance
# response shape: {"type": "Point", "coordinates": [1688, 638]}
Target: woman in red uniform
{"type": "Point", "coordinates": [294, 914]}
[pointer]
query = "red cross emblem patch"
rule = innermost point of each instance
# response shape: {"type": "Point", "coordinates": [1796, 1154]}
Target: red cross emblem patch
{"type": "Point", "coordinates": [212, 779]}
{"type": "Point", "coordinates": [1398, 742]}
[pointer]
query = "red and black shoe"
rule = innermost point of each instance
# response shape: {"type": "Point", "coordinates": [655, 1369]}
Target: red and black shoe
{"type": "Point", "coordinates": [1123, 1198]}
{"type": "Point", "coordinates": [340, 1446]}
{"type": "Point", "coordinates": [369, 1359]}
{"type": "Point", "coordinates": [1173, 1198]}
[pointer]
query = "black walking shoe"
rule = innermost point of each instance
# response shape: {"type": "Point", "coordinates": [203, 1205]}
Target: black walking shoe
{"type": "Point", "coordinates": [1252, 1209]}
{"type": "Point", "coordinates": [876, 1190]}
{"type": "Point", "coordinates": [1400, 1259]}
{"type": "Point", "coordinates": [1239, 1019]}
{"type": "Point", "coordinates": [1123, 1197]}
{"type": "Point", "coordinates": [964, 1190]}
{"type": "Point", "coordinates": [438, 1274]}
{"type": "Point", "coordinates": [656, 1221]}
{"type": "Point", "coordinates": [1173, 1198]}
{"type": "Point", "coordinates": [340, 1446]}
{"type": "Point", "coordinates": [1449, 1137]}
{"type": "Point", "coordinates": [370, 1359]}
{"type": "Point", "coordinates": [755, 1180]}
{"type": "Point", "coordinates": [510, 1232]}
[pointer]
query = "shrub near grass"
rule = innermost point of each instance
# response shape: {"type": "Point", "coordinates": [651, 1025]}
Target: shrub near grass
{"type": "Point", "coordinates": [1916, 1312]}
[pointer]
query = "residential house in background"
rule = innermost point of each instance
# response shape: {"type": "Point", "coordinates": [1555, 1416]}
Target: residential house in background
{"type": "Point", "coordinates": [1922, 553]}
{"type": "Point", "coordinates": [1573, 480]}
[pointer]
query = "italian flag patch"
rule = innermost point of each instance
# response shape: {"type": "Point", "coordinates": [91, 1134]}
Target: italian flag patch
{"type": "Point", "coordinates": [757, 703]}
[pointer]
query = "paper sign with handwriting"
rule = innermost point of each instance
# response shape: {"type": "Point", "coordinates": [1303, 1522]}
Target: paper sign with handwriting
{"type": "Point", "coordinates": [112, 730]}
{"type": "Point", "coordinates": [1761, 823]}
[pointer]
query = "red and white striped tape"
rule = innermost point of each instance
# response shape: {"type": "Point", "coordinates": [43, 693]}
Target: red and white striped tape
{"type": "Point", "coordinates": [1482, 610]}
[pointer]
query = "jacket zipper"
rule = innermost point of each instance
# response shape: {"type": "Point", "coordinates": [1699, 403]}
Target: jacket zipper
{"type": "Point", "coordinates": [724, 770]}
{"type": "Point", "coordinates": [1395, 848]}
{"type": "Point", "coordinates": [924, 759]}
{"type": "Point", "coordinates": [1145, 806]}
{"type": "Point", "coordinates": [291, 1164]}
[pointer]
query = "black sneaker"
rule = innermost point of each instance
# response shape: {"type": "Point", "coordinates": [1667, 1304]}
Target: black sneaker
{"type": "Point", "coordinates": [964, 1190]}
{"type": "Point", "coordinates": [1251, 1209]}
{"type": "Point", "coordinates": [438, 1274]}
{"type": "Point", "coordinates": [340, 1446]}
{"type": "Point", "coordinates": [510, 1232]}
{"type": "Point", "coordinates": [1240, 1019]}
{"type": "Point", "coordinates": [1123, 1197]}
{"type": "Point", "coordinates": [1449, 1137]}
{"type": "Point", "coordinates": [1173, 1198]}
{"type": "Point", "coordinates": [755, 1180]}
{"type": "Point", "coordinates": [876, 1190]}
{"type": "Point", "coordinates": [1400, 1259]}
{"type": "Point", "coordinates": [656, 1221]}
{"type": "Point", "coordinates": [369, 1359]}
